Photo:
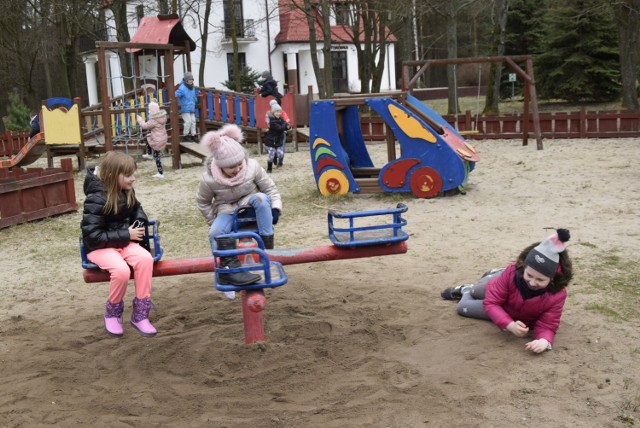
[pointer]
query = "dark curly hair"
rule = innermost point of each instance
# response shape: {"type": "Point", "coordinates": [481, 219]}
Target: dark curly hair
{"type": "Point", "coordinates": [562, 278]}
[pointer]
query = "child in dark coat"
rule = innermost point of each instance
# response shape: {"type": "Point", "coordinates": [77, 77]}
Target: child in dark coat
{"type": "Point", "coordinates": [275, 137]}
{"type": "Point", "coordinates": [270, 87]}
{"type": "Point", "coordinates": [112, 229]}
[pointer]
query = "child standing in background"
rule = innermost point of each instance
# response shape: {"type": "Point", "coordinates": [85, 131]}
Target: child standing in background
{"type": "Point", "coordinates": [285, 117]}
{"type": "Point", "coordinates": [157, 138]}
{"type": "Point", "coordinates": [112, 227]}
{"type": "Point", "coordinates": [274, 139]}
{"type": "Point", "coordinates": [187, 96]}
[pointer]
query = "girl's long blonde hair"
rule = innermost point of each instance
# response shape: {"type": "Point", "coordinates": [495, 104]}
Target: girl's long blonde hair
{"type": "Point", "coordinates": [114, 164]}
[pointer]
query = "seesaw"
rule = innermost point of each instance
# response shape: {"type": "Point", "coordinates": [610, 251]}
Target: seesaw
{"type": "Point", "coordinates": [349, 241]}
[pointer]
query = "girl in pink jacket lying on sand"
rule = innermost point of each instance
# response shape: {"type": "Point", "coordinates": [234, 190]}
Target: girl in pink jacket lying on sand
{"type": "Point", "coordinates": [527, 295]}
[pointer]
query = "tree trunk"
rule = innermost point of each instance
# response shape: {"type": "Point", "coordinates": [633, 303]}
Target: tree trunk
{"type": "Point", "coordinates": [492, 100]}
{"type": "Point", "coordinates": [204, 37]}
{"type": "Point", "coordinates": [452, 52]}
{"type": "Point", "coordinates": [163, 7]}
{"type": "Point", "coordinates": [628, 16]}
{"type": "Point", "coordinates": [313, 46]}
{"type": "Point", "coordinates": [119, 9]}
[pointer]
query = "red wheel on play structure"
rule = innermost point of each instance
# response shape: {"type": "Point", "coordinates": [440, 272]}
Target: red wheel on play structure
{"type": "Point", "coordinates": [425, 182]}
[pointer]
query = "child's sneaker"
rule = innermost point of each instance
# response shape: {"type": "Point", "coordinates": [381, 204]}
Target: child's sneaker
{"type": "Point", "coordinates": [453, 293]}
{"type": "Point", "coordinates": [146, 156]}
{"type": "Point", "coordinates": [158, 175]}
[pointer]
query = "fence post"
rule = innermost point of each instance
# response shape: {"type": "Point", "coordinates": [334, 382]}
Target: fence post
{"type": "Point", "coordinates": [583, 123]}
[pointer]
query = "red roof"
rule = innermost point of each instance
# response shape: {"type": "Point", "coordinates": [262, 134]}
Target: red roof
{"type": "Point", "coordinates": [294, 27]}
{"type": "Point", "coordinates": [162, 29]}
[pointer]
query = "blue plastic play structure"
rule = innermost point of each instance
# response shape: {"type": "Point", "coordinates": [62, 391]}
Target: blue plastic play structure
{"type": "Point", "coordinates": [434, 157]}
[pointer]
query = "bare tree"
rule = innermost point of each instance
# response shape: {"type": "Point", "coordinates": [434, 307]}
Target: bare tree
{"type": "Point", "coordinates": [121, 19]}
{"type": "Point", "coordinates": [318, 14]}
{"type": "Point", "coordinates": [449, 10]}
{"type": "Point", "coordinates": [627, 14]}
{"type": "Point", "coordinates": [204, 40]}
{"type": "Point", "coordinates": [369, 33]}
{"type": "Point", "coordinates": [500, 10]}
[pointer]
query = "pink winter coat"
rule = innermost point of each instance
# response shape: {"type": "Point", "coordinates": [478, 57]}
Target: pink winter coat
{"type": "Point", "coordinates": [504, 303]}
{"type": "Point", "coordinates": [157, 136]}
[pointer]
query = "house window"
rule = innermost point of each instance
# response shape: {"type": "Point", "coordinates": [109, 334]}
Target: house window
{"type": "Point", "coordinates": [242, 60]}
{"type": "Point", "coordinates": [233, 7]}
{"type": "Point", "coordinates": [342, 14]}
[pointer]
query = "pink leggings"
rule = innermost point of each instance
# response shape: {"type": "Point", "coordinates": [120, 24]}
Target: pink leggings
{"type": "Point", "coordinates": [117, 262]}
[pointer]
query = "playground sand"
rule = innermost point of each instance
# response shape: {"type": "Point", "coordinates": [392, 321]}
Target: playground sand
{"type": "Point", "coordinates": [353, 343]}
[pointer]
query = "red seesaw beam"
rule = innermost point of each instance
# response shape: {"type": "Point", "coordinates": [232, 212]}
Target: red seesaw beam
{"type": "Point", "coordinates": [285, 257]}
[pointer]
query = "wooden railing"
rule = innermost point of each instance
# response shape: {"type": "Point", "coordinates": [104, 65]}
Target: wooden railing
{"type": "Point", "coordinates": [580, 124]}
{"type": "Point", "coordinates": [12, 142]}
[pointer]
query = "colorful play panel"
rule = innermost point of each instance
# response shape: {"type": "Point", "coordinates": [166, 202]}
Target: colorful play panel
{"type": "Point", "coordinates": [434, 158]}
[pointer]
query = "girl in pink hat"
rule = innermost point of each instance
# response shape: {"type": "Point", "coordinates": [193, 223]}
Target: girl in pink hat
{"type": "Point", "coordinates": [232, 179]}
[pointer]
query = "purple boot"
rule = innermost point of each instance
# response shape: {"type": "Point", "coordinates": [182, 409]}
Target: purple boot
{"type": "Point", "coordinates": [113, 318]}
{"type": "Point", "coordinates": [140, 317]}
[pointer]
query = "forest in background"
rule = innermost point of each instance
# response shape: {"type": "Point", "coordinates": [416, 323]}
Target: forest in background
{"type": "Point", "coordinates": [583, 50]}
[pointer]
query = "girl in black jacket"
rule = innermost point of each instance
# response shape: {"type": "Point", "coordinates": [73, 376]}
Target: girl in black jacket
{"type": "Point", "coordinates": [112, 226]}
{"type": "Point", "coordinates": [275, 137]}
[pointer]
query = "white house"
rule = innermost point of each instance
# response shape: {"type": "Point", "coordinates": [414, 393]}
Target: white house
{"type": "Point", "coordinates": [272, 36]}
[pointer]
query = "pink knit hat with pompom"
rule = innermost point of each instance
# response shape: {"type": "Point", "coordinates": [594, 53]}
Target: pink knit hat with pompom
{"type": "Point", "coordinates": [225, 146]}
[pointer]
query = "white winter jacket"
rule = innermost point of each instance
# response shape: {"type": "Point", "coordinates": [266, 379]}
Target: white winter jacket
{"type": "Point", "coordinates": [214, 198]}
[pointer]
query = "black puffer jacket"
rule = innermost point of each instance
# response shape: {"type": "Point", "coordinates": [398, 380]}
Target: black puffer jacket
{"type": "Point", "coordinates": [277, 128]}
{"type": "Point", "coordinates": [270, 87]}
{"type": "Point", "coordinates": [100, 230]}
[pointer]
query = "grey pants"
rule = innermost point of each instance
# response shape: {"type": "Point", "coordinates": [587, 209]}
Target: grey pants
{"type": "Point", "coordinates": [471, 303]}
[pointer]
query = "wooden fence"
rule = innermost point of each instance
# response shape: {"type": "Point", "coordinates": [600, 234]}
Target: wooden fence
{"type": "Point", "coordinates": [12, 142]}
{"type": "Point", "coordinates": [580, 124]}
{"type": "Point", "coordinates": [35, 193]}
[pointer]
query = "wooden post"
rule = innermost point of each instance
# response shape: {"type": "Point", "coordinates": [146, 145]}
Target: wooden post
{"type": "Point", "coordinates": [104, 98]}
{"type": "Point", "coordinates": [173, 109]}
{"type": "Point", "coordinates": [534, 104]}
{"type": "Point", "coordinates": [82, 155]}
{"type": "Point", "coordinates": [202, 125]}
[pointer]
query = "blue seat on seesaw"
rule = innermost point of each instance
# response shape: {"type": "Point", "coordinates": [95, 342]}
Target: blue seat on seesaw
{"type": "Point", "coordinates": [263, 266]}
{"type": "Point", "coordinates": [386, 231]}
{"type": "Point", "coordinates": [151, 242]}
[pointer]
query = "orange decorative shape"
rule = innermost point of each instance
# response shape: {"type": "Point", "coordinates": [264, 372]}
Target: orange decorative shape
{"type": "Point", "coordinates": [410, 125]}
{"type": "Point", "coordinates": [395, 175]}
{"type": "Point", "coordinates": [470, 147]}
{"type": "Point", "coordinates": [319, 141]}
{"type": "Point", "coordinates": [464, 153]}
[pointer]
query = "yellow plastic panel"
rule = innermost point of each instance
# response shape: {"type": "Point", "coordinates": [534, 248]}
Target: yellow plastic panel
{"type": "Point", "coordinates": [60, 126]}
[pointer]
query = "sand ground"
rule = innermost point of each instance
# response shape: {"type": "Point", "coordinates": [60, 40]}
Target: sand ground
{"type": "Point", "coordinates": [352, 343]}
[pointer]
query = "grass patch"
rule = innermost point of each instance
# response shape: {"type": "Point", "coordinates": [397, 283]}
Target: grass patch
{"type": "Point", "coordinates": [614, 280]}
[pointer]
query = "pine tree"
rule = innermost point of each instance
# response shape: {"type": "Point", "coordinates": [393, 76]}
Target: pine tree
{"type": "Point", "coordinates": [523, 36]}
{"type": "Point", "coordinates": [19, 119]}
{"type": "Point", "coordinates": [580, 59]}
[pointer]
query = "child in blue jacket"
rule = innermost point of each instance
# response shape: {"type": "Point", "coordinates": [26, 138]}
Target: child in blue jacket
{"type": "Point", "coordinates": [187, 95]}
